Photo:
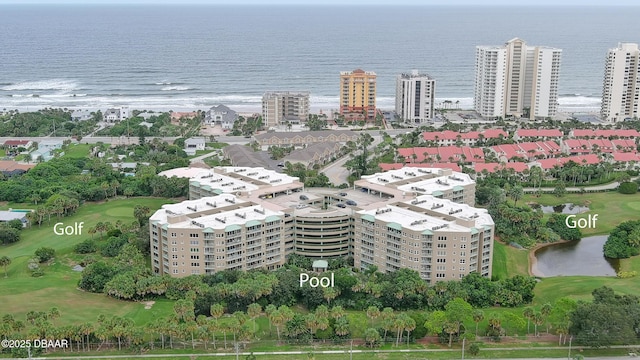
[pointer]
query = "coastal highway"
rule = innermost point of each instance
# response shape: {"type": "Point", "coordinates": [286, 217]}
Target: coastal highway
{"type": "Point", "coordinates": [134, 139]}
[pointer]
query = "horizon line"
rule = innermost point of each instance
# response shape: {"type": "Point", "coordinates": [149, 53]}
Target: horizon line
{"type": "Point", "coordinates": [149, 4]}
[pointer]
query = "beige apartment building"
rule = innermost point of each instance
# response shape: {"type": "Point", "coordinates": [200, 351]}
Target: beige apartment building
{"type": "Point", "coordinates": [280, 107]}
{"type": "Point", "coordinates": [358, 94]}
{"type": "Point", "coordinates": [217, 233]}
{"type": "Point", "coordinates": [440, 239]}
{"type": "Point", "coordinates": [246, 218]}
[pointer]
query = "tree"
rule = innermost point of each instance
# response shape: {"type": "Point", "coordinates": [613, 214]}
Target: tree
{"type": "Point", "coordinates": [560, 190]}
{"type": "Point", "coordinates": [528, 314]}
{"type": "Point", "coordinates": [516, 193]}
{"type": "Point", "coordinates": [372, 313]}
{"type": "Point", "coordinates": [372, 337]}
{"type": "Point", "coordinates": [141, 213]}
{"type": "Point", "coordinates": [44, 254]}
{"type": "Point", "coordinates": [4, 262]}
{"type": "Point", "coordinates": [254, 310]}
{"type": "Point", "coordinates": [478, 316]}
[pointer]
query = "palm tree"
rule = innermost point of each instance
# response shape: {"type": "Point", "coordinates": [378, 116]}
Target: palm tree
{"type": "Point", "coordinates": [254, 310]}
{"type": "Point", "coordinates": [409, 325]}
{"type": "Point", "coordinates": [537, 319]}
{"type": "Point", "coordinates": [269, 310]}
{"type": "Point", "coordinates": [372, 313]}
{"type": "Point", "coordinates": [342, 326]}
{"type": "Point", "coordinates": [371, 336]}
{"type": "Point", "coordinates": [528, 314]}
{"type": "Point", "coordinates": [4, 262]}
{"type": "Point", "coordinates": [478, 316]}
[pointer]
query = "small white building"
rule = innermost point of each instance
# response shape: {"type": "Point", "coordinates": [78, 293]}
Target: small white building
{"type": "Point", "coordinates": [81, 115]}
{"type": "Point", "coordinates": [192, 145]}
{"type": "Point", "coordinates": [116, 114]}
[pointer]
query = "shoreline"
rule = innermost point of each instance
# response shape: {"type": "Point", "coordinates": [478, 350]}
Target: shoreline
{"type": "Point", "coordinates": [533, 260]}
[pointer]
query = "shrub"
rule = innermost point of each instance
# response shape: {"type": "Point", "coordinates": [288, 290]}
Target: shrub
{"type": "Point", "coordinates": [85, 247]}
{"type": "Point", "coordinates": [37, 272]}
{"type": "Point", "coordinates": [45, 254]}
{"type": "Point", "coordinates": [628, 188]}
{"type": "Point", "coordinates": [626, 274]}
{"type": "Point", "coordinates": [474, 349]}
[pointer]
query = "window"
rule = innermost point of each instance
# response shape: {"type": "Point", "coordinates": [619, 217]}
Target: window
{"type": "Point", "coordinates": [174, 256]}
{"type": "Point", "coordinates": [174, 249]}
{"type": "Point", "coordinates": [462, 261]}
{"type": "Point", "coordinates": [173, 235]}
{"type": "Point", "coordinates": [195, 264]}
{"type": "Point", "coordinates": [195, 257]}
{"type": "Point", "coordinates": [195, 250]}
{"type": "Point", "coordinates": [441, 260]}
{"type": "Point", "coordinates": [194, 236]}
{"type": "Point", "coordinates": [463, 246]}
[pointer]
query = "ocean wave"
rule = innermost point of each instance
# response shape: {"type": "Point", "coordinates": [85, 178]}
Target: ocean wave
{"type": "Point", "coordinates": [239, 102]}
{"type": "Point", "coordinates": [52, 84]}
{"type": "Point", "coordinates": [175, 88]}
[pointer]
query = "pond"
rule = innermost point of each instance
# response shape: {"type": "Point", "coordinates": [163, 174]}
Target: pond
{"type": "Point", "coordinates": [584, 257]}
{"type": "Point", "coordinates": [564, 209]}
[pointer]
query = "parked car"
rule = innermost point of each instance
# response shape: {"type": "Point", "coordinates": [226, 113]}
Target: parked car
{"type": "Point", "coordinates": [304, 197]}
{"type": "Point", "coordinates": [351, 202]}
{"type": "Point", "coordinates": [341, 205]}
{"type": "Point", "coordinates": [342, 194]}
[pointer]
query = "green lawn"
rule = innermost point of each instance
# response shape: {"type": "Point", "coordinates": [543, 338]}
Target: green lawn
{"type": "Point", "coordinates": [77, 151]}
{"type": "Point", "coordinates": [509, 261]}
{"type": "Point", "coordinates": [20, 293]}
{"type": "Point", "coordinates": [612, 207]}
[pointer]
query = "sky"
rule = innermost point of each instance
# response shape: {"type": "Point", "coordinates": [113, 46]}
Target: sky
{"type": "Point", "coordinates": [345, 2]}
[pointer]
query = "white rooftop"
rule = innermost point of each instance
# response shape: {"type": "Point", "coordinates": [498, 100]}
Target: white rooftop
{"type": "Point", "coordinates": [442, 183]}
{"type": "Point", "coordinates": [260, 174]}
{"type": "Point", "coordinates": [194, 213]}
{"type": "Point", "coordinates": [419, 222]}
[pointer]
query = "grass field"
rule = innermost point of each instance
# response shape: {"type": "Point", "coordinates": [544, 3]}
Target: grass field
{"type": "Point", "coordinates": [77, 151]}
{"type": "Point", "coordinates": [20, 293]}
{"type": "Point", "coordinates": [611, 207]}
{"type": "Point", "coordinates": [509, 261]}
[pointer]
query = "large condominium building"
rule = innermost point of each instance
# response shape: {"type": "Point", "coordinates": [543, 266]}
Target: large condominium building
{"type": "Point", "coordinates": [516, 80]}
{"type": "Point", "coordinates": [280, 107]}
{"type": "Point", "coordinates": [440, 239]}
{"type": "Point", "coordinates": [415, 95]}
{"type": "Point", "coordinates": [216, 233]}
{"type": "Point", "coordinates": [246, 218]}
{"type": "Point", "coordinates": [358, 94]}
{"type": "Point", "coordinates": [621, 83]}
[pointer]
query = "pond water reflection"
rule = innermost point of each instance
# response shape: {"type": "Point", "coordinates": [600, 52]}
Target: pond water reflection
{"type": "Point", "coordinates": [564, 209]}
{"type": "Point", "coordinates": [584, 257]}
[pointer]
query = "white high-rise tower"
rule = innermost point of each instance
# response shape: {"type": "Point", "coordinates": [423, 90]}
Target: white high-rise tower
{"type": "Point", "coordinates": [517, 80]}
{"type": "Point", "coordinates": [621, 83]}
{"type": "Point", "coordinates": [415, 95]}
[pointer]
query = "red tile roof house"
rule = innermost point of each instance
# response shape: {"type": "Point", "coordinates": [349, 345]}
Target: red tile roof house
{"type": "Point", "coordinates": [518, 167]}
{"type": "Point", "coordinates": [395, 166]}
{"type": "Point", "coordinates": [632, 160]}
{"type": "Point", "coordinates": [448, 137]}
{"type": "Point", "coordinates": [582, 146]}
{"type": "Point", "coordinates": [528, 150]}
{"type": "Point", "coordinates": [548, 164]}
{"type": "Point", "coordinates": [537, 134]}
{"type": "Point", "coordinates": [14, 144]}
{"type": "Point", "coordinates": [607, 134]}
{"type": "Point", "coordinates": [442, 154]}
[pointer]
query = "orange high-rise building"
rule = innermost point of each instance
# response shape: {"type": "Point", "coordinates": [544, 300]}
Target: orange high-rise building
{"type": "Point", "coordinates": [358, 94]}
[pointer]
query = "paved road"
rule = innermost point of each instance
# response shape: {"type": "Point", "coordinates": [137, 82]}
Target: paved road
{"type": "Point", "coordinates": [456, 354]}
{"type": "Point", "coordinates": [610, 186]}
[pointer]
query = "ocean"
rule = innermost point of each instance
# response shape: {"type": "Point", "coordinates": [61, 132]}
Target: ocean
{"type": "Point", "coordinates": [194, 57]}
